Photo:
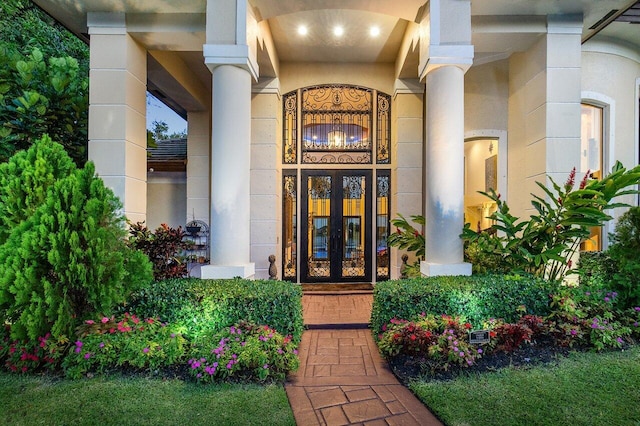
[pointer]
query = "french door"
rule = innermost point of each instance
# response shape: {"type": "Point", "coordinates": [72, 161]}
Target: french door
{"type": "Point", "coordinates": [336, 226]}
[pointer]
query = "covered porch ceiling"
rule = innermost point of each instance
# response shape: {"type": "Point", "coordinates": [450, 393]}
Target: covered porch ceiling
{"type": "Point", "coordinates": [177, 29]}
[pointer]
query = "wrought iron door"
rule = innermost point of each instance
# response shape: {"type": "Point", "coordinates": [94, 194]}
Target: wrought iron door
{"type": "Point", "coordinates": [336, 227]}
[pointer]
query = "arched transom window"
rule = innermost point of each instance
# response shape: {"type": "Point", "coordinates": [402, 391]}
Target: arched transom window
{"type": "Point", "coordinates": [336, 124]}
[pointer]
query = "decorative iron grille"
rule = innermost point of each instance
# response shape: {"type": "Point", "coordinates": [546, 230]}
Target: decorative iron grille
{"type": "Point", "coordinates": [289, 225]}
{"type": "Point", "coordinates": [382, 225]}
{"type": "Point", "coordinates": [383, 151]}
{"type": "Point", "coordinates": [290, 129]}
{"type": "Point", "coordinates": [336, 126]}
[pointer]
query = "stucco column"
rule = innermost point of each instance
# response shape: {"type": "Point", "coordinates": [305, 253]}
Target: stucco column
{"type": "Point", "coordinates": [444, 179]}
{"type": "Point", "coordinates": [230, 175]}
{"type": "Point", "coordinates": [117, 111]}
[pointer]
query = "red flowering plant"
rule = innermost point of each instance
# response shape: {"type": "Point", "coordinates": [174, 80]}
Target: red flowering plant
{"type": "Point", "coordinates": [511, 336]}
{"type": "Point", "coordinates": [408, 238]}
{"type": "Point", "coordinates": [243, 351]}
{"type": "Point", "coordinates": [127, 341]}
{"type": "Point", "coordinates": [28, 356]}
{"type": "Point", "coordinates": [545, 243]}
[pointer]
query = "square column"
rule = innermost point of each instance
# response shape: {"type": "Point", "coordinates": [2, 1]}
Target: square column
{"type": "Point", "coordinates": [198, 166]}
{"type": "Point", "coordinates": [117, 111]}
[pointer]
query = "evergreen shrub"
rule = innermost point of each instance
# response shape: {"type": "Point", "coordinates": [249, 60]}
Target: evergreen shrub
{"type": "Point", "coordinates": [625, 252]}
{"type": "Point", "coordinates": [198, 306]}
{"type": "Point", "coordinates": [475, 298]}
{"type": "Point", "coordinates": [68, 259]}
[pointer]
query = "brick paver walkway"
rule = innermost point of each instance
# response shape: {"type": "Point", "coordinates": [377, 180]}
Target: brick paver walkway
{"type": "Point", "coordinates": [342, 379]}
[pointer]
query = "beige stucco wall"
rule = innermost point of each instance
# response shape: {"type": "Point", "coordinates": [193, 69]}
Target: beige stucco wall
{"type": "Point", "coordinates": [598, 69]}
{"type": "Point", "coordinates": [408, 158]}
{"type": "Point", "coordinates": [527, 78]}
{"type": "Point", "coordinates": [486, 94]}
{"type": "Point", "coordinates": [544, 116]}
{"type": "Point", "coordinates": [266, 181]}
{"type": "Point", "coordinates": [166, 199]}
{"type": "Point", "coordinates": [620, 101]}
{"type": "Point", "coordinates": [375, 76]}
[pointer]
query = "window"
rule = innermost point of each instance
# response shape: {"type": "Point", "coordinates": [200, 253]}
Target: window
{"type": "Point", "coordinates": [591, 160]}
{"type": "Point", "coordinates": [338, 124]}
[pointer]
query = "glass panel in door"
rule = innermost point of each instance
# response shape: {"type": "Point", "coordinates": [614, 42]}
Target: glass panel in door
{"type": "Point", "coordinates": [319, 231]}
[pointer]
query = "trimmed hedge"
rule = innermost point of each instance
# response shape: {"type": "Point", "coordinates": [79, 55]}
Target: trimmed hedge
{"type": "Point", "coordinates": [477, 298]}
{"type": "Point", "coordinates": [197, 305]}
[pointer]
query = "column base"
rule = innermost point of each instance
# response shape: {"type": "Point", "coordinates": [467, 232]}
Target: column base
{"type": "Point", "coordinates": [227, 271]}
{"type": "Point", "coordinates": [438, 269]}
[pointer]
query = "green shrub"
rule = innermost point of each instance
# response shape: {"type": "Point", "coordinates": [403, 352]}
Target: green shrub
{"type": "Point", "coordinates": [596, 269]}
{"type": "Point", "coordinates": [200, 305]}
{"type": "Point", "coordinates": [69, 259]}
{"type": "Point", "coordinates": [625, 251]}
{"type": "Point", "coordinates": [476, 298]}
{"type": "Point", "coordinates": [244, 350]}
{"type": "Point", "coordinates": [408, 238]}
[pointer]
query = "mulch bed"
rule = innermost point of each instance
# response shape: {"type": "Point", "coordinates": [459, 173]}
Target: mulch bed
{"type": "Point", "coordinates": [407, 367]}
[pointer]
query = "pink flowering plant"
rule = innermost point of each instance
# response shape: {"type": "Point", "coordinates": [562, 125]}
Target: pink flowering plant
{"type": "Point", "coordinates": [127, 341]}
{"type": "Point", "coordinates": [243, 351]}
{"type": "Point", "coordinates": [29, 356]}
{"type": "Point", "coordinates": [442, 340]}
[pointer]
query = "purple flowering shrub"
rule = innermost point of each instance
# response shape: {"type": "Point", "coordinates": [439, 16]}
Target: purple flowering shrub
{"type": "Point", "coordinates": [591, 318]}
{"type": "Point", "coordinates": [245, 351]}
{"type": "Point", "coordinates": [127, 341]}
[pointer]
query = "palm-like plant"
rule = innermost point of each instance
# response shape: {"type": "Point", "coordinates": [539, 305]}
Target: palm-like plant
{"type": "Point", "coordinates": [545, 244]}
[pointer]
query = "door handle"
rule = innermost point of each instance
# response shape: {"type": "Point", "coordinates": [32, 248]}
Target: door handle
{"type": "Point", "coordinates": [335, 241]}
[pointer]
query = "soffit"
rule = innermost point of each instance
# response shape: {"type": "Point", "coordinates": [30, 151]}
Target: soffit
{"type": "Point", "coordinates": [499, 27]}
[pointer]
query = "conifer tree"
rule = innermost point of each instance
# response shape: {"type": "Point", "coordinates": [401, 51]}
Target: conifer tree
{"type": "Point", "coordinates": [25, 179]}
{"type": "Point", "coordinates": [69, 259]}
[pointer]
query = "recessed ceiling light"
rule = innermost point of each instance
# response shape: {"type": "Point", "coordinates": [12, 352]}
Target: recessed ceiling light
{"type": "Point", "coordinates": [302, 30]}
{"type": "Point", "coordinates": [338, 31]}
{"type": "Point", "coordinates": [374, 31]}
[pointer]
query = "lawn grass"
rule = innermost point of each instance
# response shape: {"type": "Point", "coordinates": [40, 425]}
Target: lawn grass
{"type": "Point", "coordinates": [28, 400]}
{"type": "Point", "coordinates": [584, 389]}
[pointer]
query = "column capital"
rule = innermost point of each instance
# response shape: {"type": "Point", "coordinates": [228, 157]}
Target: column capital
{"type": "Point", "coordinates": [237, 55]}
{"type": "Point", "coordinates": [267, 86]}
{"type": "Point", "coordinates": [439, 56]}
{"type": "Point", "coordinates": [410, 86]}
{"type": "Point", "coordinates": [107, 23]}
{"type": "Point", "coordinates": [564, 24]}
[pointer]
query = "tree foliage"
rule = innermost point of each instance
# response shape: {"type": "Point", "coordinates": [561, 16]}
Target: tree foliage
{"type": "Point", "coordinates": [43, 82]}
{"type": "Point", "coordinates": [69, 258]}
